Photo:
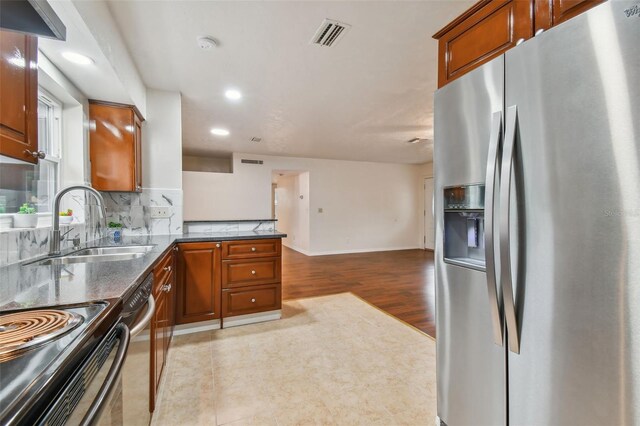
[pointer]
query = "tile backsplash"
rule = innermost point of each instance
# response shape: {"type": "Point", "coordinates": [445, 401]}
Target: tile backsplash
{"type": "Point", "coordinates": [132, 211]}
{"type": "Point", "coordinates": [18, 245]}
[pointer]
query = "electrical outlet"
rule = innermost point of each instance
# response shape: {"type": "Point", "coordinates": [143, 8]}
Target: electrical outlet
{"type": "Point", "coordinates": [159, 212]}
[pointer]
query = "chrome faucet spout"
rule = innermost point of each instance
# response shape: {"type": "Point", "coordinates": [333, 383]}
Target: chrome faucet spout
{"type": "Point", "coordinates": [55, 232]}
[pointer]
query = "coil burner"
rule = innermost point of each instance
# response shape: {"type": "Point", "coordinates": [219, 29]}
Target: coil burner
{"type": "Point", "coordinates": [26, 330]}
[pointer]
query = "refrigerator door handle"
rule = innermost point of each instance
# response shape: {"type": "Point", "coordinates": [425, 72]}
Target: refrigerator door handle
{"type": "Point", "coordinates": [489, 202]}
{"type": "Point", "coordinates": [505, 241]}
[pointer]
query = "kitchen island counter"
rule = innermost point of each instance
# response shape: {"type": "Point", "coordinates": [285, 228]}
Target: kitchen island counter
{"type": "Point", "coordinates": [31, 286]}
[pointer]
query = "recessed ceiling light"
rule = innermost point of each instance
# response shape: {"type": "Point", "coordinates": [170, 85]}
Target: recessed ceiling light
{"type": "Point", "coordinates": [219, 132]}
{"type": "Point", "coordinates": [77, 58]}
{"type": "Point", "coordinates": [207, 42]}
{"type": "Point", "coordinates": [233, 94]}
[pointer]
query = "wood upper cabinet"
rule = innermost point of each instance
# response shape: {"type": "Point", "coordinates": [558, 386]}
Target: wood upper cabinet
{"type": "Point", "coordinates": [491, 27]}
{"type": "Point", "coordinates": [19, 96]}
{"type": "Point", "coordinates": [198, 292]}
{"type": "Point", "coordinates": [549, 13]}
{"type": "Point", "coordinates": [115, 147]}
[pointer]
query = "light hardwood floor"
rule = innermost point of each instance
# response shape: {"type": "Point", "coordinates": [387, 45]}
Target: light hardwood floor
{"type": "Point", "coordinates": [401, 282]}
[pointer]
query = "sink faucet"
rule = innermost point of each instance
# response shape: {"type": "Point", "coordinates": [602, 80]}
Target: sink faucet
{"type": "Point", "coordinates": [55, 232]}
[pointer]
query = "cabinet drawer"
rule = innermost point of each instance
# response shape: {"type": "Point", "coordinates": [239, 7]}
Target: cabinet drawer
{"type": "Point", "coordinates": [239, 273]}
{"type": "Point", "coordinates": [247, 249]}
{"type": "Point", "coordinates": [162, 273]}
{"type": "Point", "coordinates": [249, 300]}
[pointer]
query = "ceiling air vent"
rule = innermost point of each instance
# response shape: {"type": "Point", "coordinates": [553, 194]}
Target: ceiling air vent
{"type": "Point", "coordinates": [330, 32]}
{"type": "Point", "coordinates": [256, 139]}
{"type": "Point", "coordinates": [245, 161]}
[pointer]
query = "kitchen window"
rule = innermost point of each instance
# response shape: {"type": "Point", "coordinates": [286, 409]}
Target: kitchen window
{"type": "Point", "coordinates": [36, 184]}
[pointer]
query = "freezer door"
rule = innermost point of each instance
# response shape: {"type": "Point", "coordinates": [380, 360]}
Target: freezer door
{"type": "Point", "coordinates": [470, 366]}
{"type": "Point", "coordinates": [575, 221]}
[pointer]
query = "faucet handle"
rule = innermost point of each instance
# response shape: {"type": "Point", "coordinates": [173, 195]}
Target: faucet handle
{"type": "Point", "coordinates": [66, 233]}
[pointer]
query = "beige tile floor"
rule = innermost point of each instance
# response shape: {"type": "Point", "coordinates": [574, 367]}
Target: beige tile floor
{"type": "Point", "coordinates": [332, 360]}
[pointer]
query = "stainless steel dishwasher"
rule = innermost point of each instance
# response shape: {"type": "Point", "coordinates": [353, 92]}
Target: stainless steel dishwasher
{"type": "Point", "coordinates": [136, 372]}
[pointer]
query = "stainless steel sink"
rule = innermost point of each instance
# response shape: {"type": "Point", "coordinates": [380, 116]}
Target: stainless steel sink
{"type": "Point", "coordinates": [96, 254]}
{"type": "Point", "coordinates": [112, 250]}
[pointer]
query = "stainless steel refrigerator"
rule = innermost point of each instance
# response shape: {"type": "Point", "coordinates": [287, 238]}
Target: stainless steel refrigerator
{"type": "Point", "coordinates": [537, 201]}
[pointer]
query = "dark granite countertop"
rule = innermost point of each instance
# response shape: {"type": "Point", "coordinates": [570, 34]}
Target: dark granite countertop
{"type": "Point", "coordinates": [32, 286]}
{"type": "Point", "coordinates": [231, 221]}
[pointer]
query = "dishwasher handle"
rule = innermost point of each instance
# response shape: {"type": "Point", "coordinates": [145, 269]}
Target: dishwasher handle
{"type": "Point", "coordinates": [102, 399]}
{"type": "Point", "coordinates": [151, 310]}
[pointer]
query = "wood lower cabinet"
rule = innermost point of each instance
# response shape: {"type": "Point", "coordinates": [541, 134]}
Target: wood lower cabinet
{"type": "Point", "coordinates": [217, 280]}
{"type": "Point", "coordinates": [491, 27]}
{"type": "Point", "coordinates": [115, 147]}
{"type": "Point", "coordinates": [198, 297]}
{"type": "Point", "coordinates": [164, 293]}
{"type": "Point", "coordinates": [250, 300]}
{"type": "Point", "coordinates": [18, 96]}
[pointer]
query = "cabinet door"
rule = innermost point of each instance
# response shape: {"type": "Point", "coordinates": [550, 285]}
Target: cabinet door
{"type": "Point", "coordinates": [18, 96]}
{"type": "Point", "coordinates": [138, 153]}
{"type": "Point", "coordinates": [482, 33]}
{"type": "Point", "coordinates": [549, 13]}
{"type": "Point", "coordinates": [198, 297]}
{"type": "Point", "coordinates": [171, 302]}
{"type": "Point", "coordinates": [112, 148]}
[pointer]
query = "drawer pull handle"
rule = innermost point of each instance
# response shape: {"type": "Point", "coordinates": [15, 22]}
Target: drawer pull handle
{"type": "Point", "coordinates": [166, 288]}
{"type": "Point", "coordinates": [253, 272]}
{"type": "Point", "coordinates": [167, 268]}
{"type": "Point", "coordinates": [253, 300]}
{"type": "Point", "coordinates": [253, 249]}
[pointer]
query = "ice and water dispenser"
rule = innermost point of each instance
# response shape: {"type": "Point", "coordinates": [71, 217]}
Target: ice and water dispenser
{"type": "Point", "coordinates": [464, 226]}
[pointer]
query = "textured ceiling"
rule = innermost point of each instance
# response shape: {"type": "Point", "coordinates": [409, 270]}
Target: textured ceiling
{"type": "Point", "coordinates": [361, 99]}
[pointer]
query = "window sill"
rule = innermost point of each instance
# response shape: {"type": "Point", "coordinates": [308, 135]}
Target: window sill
{"type": "Point", "coordinates": [44, 222]}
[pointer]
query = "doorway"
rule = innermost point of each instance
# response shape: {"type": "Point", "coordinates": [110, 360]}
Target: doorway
{"type": "Point", "coordinates": [429, 227]}
{"type": "Point", "coordinates": [291, 207]}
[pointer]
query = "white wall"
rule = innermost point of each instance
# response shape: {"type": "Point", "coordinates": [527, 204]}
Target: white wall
{"type": "Point", "coordinates": [162, 141]}
{"type": "Point", "coordinates": [366, 206]}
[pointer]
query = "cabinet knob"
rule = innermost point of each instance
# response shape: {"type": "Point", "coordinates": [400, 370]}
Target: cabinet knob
{"type": "Point", "coordinates": [253, 272]}
{"type": "Point", "coordinates": [175, 248]}
{"type": "Point", "coordinates": [253, 249]}
{"type": "Point", "coordinates": [167, 268]}
{"type": "Point", "coordinates": [253, 300]}
{"type": "Point", "coordinates": [36, 154]}
{"type": "Point", "coordinates": [218, 245]}
{"type": "Point", "coordinates": [167, 288]}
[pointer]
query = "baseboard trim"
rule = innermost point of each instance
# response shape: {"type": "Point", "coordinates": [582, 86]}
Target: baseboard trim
{"type": "Point", "coordinates": [367, 250]}
{"type": "Point", "coordinates": [296, 248]}
{"type": "Point", "coordinates": [196, 327]}
{"type": "Point", "coordinates": [251, 318]}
